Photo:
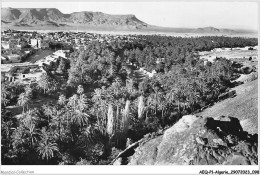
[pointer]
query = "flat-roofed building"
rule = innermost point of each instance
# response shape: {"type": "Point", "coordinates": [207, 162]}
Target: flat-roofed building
{"type": "Point", "coordinates": [5, 45]}
{"type": "Point", "coordinates": [11, 58]}
{"type": "Point", "coordinates": [36, 43]}
{"type": "Point", "coordinates": [62, 53]}
{"type": "Point", "coordinates": [24, 73]}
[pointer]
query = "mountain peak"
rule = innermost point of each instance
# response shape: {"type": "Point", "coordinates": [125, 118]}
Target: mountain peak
{"type": "Point", "coordinates": [208, 29]}
{"type": "Point", "coordinates": [36, 17]}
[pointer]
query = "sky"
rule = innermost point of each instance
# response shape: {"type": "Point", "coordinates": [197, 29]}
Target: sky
{"type": "Point", "coordinates": [186, 14]}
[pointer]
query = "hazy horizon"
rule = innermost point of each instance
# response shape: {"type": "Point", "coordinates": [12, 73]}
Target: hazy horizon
{"type": "Point", "coordinates": [229, 15]}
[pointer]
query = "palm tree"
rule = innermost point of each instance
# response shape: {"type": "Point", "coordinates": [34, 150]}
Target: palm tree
{"type": "Point", "coordinates": [162, 105]}
{"type": "Point", "coordinates": [4, 101]}
{"type": "Point", "coordinates": [141, 106]}
{"type": "Point", "coordinates": [78, 111]}
{"type": "Point", "coordinates": [80, 89]}
{"type": "Point", "coordinates": [110, 120]}
{"type": "Point", "coordinates": [30, 130]}
{"type": "Point", "coordinates": [130, 87]}
{"type": "Point", "coordinates": [6, 130]}
{"type": "Point", "coordinates": [4, 94]}
{"type": "Point", "coordinates": [82, 103]}
{"type": "Point", "coordinates": [170, 96]}
{"type": "Point", "coordinates": [57, 120]}
{"type": "Point", "coordinates": [47, 148]}
{"type": "Point", "coordinates": [62, 100]}
{"type": "Point", "coordinates": [28, 91]}
{"type": "Point", "coordinates": [4, 91]}
{"type": "Point", "coordinates": [23, 100]}
{"type": "Point", "coordinates": [79, 118]}
{"type": "Point", "coordinates": [119, 105]}
{"type": "Point", "coordinates": [97, 95]}
{"type": "Point", "coordinates": [44, 82]}
{"type": "Point", "coordinates": [152, 103]}
{"type": "Point", "coordinates": [100, 107]}
{"type": "Point", "coordinates": [73, 101]}
{"type": "Point", "coordinates": [126, 117]}
{"type": "Point", "coordinates": [18, 137]}
{"type": "Point", "coordinates": [47, 111]}
{"type": "Point", "coordinates": [112, 70]}
{"type": "Point", "coordinates": [118, 81]}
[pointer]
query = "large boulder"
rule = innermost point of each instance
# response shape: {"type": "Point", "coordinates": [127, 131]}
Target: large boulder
{"type": "Point", "coordinates": [199, 141]}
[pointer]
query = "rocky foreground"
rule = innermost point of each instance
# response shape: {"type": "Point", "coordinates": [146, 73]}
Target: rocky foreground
{"type": "Point", "coordinates": [195, 141]}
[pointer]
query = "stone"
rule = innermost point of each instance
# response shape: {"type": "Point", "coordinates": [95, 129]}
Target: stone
{"type": "Point", "coordinates": [218, 141]}
{"type": "Point", "coordinates": [118, 161]}
{"type": "Point", "coordinates": [254, 149]}
{"type": "Point", "coordinates": [199, 141]}
{"type": "Point", "coordinates": [236, 160]}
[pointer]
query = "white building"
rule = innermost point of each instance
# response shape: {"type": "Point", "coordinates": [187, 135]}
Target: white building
{"type": "Point", "coordinates": [76, 41]}
{"type": "Point", "coordinates": [62, 53]}
{"type": "Point", "coordinates": [3, 60]}
{"type": "Point", "coordinates": [12, 58]}
{"type": "Point", "coordinates": [24, 73]}
{"type": "Point", "coordinates": [5, 45]}
{"type": "Point", "coordinates": [36, 43]}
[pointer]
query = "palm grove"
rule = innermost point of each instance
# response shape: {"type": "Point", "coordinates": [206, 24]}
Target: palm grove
{"type": "Point", "coordinates": [99, 106]}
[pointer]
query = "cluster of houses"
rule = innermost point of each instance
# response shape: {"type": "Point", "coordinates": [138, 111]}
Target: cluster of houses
{"type": "Point", "coordinates": [79, 39]}
{"type": "Point", "coordinates": [53, 57]}
{"type": "Point", "coordinates": [235, 48]}
{"type": "Point", "coordinates": [28, 73]}
{"type": "Point", "coordinates": [24, 73]}
{"type": "Point", "coordinates": [16, 46]}
{"type": "Point", "coordinates": [22, 40]}
{"type": "Point", "coordinates": [241, 53]}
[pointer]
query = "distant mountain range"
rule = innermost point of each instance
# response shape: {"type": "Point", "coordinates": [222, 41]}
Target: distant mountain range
{"type": "Point", "coordinates": [213, 30]}
{"type": "Point", "coordinates": [53, 19]}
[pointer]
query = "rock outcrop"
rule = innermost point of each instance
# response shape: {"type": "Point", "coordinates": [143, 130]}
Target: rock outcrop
{"type": "Point", "coordinates": [199, 141]}
{"type": "Point", "coordinates": [34, 17]}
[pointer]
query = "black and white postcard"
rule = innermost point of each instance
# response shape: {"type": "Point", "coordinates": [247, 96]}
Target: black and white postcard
{"type": "Point", "coordinates": [167, 87]}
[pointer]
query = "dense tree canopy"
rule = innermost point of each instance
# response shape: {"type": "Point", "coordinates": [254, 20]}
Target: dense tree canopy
{"type": "Point", "coordinates": [99, 101]}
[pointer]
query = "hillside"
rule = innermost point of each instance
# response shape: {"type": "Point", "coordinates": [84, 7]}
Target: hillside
{"type": "Point", "coordinates": [213, 30]}
{"type": "Point", "coordinates": [243, 106]}
{"type": "Point", "coordinates": [194, 140]}
{"type": "Point", "coordinates": [51, 17]}
{"type": "Point", "coordinates": [230, 139]}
